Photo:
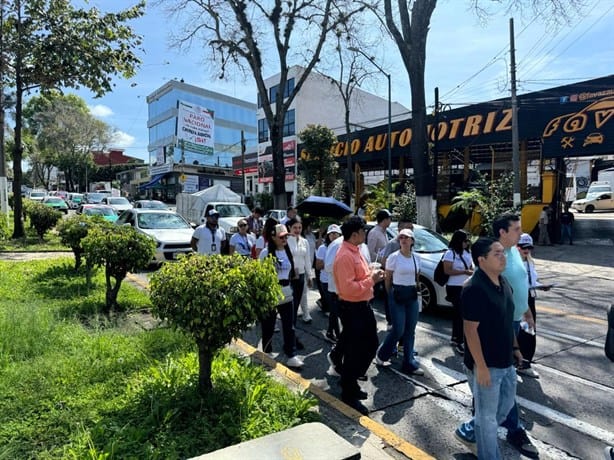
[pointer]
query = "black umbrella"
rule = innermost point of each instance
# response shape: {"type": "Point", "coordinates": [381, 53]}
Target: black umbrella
{"type": "Point", "coordinates": [322, 206]}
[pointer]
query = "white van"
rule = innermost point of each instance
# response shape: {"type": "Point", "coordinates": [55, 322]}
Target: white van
{"type": "Point", "coordinates": [599, 187]}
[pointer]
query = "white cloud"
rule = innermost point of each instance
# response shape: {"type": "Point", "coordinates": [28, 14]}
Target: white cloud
{"type": "Point", "coordinates": [122, 140]}
{"type": "Point", "coordinates": [100, 110]}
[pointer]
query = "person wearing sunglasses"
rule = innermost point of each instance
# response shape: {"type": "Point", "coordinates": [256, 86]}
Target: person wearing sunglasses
{"type": "Point", "coordinates": [242, 241]}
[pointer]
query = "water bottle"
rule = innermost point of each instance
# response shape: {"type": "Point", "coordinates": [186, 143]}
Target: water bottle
{"type": "Point", "coordinates": [525, 327]}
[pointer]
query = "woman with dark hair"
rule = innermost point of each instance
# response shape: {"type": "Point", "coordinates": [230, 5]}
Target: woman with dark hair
{"type": "Point", "coordinates": [457, 264]}
{"type": "Point", "coordinates": [328, 304]}
{"type": "Point", "coordinates": [277, 248]}
{"type": "Point", "coordinates": [302, 264]}
{"type": "Point", "coordinates": [265, 237]}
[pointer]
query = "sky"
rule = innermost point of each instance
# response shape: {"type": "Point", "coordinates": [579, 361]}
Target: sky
{"type": "Point", "coordinates": [468, 60]}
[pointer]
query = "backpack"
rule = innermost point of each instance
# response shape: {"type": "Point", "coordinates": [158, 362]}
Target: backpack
{"type": "Point", "coordinates": [439, 275]}
{"type": "Point", "coordinates": [609, 339]}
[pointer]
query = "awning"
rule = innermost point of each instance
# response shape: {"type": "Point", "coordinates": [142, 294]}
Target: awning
{"type": "Point", "coordinates": [154, 180]}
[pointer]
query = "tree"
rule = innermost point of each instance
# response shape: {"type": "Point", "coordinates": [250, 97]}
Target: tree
{"type": "Point", "coordinates": [214, 299]}
{"type": "Point", "coordinates": [66, 133]}
{"type": "Point", "coordinates": [50, 44]}
{"type": "Point", "coordinates": [119, 249]}
{"type": "Point", "coordinates": [246, 33]}
{"type": "Point", "coordinates": [43, 218]}
{"type": "Point", "coordinates": [72, 231]}
{"type": "Point", "coordinates": [317, 164]}
{"type": "Point", "coordinates": [409, 25]}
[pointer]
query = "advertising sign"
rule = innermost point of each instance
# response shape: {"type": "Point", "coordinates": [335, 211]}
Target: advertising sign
{"type": "Point", "coordinates": [194, 129]}
{"type": "Point", "coordinates": [265, 163]}
{"type": "Point", "coordinates": [190, 183]}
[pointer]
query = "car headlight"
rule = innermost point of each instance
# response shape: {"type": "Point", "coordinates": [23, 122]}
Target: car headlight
{"type": "Point", "coordinates": [233, 230]}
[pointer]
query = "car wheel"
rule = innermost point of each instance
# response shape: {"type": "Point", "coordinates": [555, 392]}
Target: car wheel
{"type": "Point", "coordinates": [590, 208]}
{"type": "Point", "coordinates": [429, 297]}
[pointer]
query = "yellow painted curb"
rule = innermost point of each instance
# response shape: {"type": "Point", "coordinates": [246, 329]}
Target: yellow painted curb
{"type": "Point", "coordinates": [390, 438]}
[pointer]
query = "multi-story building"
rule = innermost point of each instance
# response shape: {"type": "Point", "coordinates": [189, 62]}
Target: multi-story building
{"type": "Point", "coordinates": [193, 135]}
{"type": "Point", "coordinates": [318, 102]}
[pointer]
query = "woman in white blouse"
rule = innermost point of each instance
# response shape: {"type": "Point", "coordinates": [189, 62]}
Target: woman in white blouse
{"type": "Point", "coordinates": [402, 272]}
{"type": "Point", "coordinates": [302, 262]}
{"type": "Point", "coordinates": [457, 264]}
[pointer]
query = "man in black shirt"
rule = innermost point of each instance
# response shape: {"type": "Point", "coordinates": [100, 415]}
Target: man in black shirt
{"type": "Point", "coordinates": [566, 219]}
{"type": "Point", "coordinates": [488, 310]}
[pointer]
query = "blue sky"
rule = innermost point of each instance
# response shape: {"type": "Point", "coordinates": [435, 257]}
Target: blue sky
{"type": "Point", "coordinates": [467, 60]}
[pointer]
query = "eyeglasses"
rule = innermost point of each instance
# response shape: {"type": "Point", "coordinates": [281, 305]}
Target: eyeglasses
{"type": "Point", "coordinates": [285, 237]}
{"type": "Point", "coordinates": [242, 225]}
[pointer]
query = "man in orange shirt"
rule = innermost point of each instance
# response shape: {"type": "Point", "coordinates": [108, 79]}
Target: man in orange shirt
{"type": "Point", "coordinates": [354, 281]}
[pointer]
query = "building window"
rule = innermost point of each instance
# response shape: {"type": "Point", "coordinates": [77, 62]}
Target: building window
{"type": "Point", "coordinates": [289, 124]}
{"type": "Point", "coordinates": [263, 130]}
{"type": "Point", "coordinates": [273, 91]}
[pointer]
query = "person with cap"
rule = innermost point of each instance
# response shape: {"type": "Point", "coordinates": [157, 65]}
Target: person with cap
{"type": "Point", "coordinates": [508, 229]}
{"type": "Point", "coordinates": [208, 238]}
{"type": "Point", "coordinates": [526, 336]}
{"type": "Point", "coordinates": [354, 280]}
{"type": "Point", "coordinates": [277, 248]}
{"type": "Point", "coordinates": [333, 333]}
{"type": "Point", "coordinates": [457, 264]}
{"type": "Point", "coordinates": [402, 271]}
{"type": "Point", "coordinates": [242, 241]}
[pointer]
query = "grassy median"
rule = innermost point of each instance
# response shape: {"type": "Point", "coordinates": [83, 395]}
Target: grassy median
{"type": "Point", "coordinates": [75, 384]}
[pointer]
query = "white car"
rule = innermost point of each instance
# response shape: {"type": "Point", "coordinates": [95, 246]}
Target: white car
{"type": "Point", "coordinates": [38, 195]}
{"type": "Point", "coordinates": [595, 201]}
{"type": "Point", "coordinates": [171, 232]}
{"type": "Point", "coordinates": [430, 247]}
{"type": "Point", "coordinates": [118, 203]}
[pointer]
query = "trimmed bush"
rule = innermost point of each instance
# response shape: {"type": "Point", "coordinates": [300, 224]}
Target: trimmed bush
{"type": "Point", "coordinates": [43, 218]}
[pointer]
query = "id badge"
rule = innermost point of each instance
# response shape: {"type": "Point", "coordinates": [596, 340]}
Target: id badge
{"type": "Point", "coordinates": [213, 247]}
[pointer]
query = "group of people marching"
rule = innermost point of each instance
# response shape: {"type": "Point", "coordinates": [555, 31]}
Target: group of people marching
{"type": "Point", "coordinates": [491, 286]}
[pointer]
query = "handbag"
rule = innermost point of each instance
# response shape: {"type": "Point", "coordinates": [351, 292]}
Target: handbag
{"type": "Point", "coordinates": [287, 292]}
{"type": "Point", "coordinates": [439, 275]}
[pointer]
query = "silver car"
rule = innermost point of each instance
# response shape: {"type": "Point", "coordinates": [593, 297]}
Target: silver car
{"type": "Point", "coordinates": [430, 247]}
{"type": "Point", "coordinates": [171, 232]}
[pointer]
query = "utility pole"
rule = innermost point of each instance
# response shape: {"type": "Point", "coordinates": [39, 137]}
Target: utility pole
{"type": "Point", "coordinates": [435, 140]}
{"type": "Point", "coordinates": [515, 146]}
{"type": "Point", "coordinates": [4, 203]}
{"type": "Point", "coordinates": [243, 162]}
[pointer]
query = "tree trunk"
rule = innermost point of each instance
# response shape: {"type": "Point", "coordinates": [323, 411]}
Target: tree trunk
{"type": "Point", "coordinates": [18, 230]}
{"type": "Point", "coordinates": [205, 358]}
{"type": "Point", "coordinates": [280, 199]}
{"type": "Point", "coordinates": [112, 291]}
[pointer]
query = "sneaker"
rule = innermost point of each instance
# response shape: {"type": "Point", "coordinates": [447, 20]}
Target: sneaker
{"type": "Point", "coordinates": [381, 362]}
{"type": "Point", "coordinates": [460, 349]}
{"type": "Point", "coordinates": [466, 434]}
{"type": "Point", "coordinates": [522, 443]}
{"type": "Point", "coordinates": [334, 368]}
{"type": "Point", "coordinates": [608, 452]}
{"type": "Point", "coordinates": [412, 371]}
{"type": "Point", "coordinates": [528, 372]}
{"type": "Point", "coordinates": [295, 361]}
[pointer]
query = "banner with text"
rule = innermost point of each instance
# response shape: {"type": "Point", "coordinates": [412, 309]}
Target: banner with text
{"type": "Point", "coordinates": [195, 129]}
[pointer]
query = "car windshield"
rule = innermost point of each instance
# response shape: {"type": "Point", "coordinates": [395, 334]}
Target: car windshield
{"type": "Point", "coordinates": [427, 241]}
{"type": "Point", "coordinates": [153, 204]}
{"type": "Point", "coordinates": [99, 212]}
{"type": "Point", "coordinates": [54, 200]}
{"type": "Point", "coordinates": [232, 210]}
{"type": "Point", "coordinates": [158, 221]}
{"type": "Point", "coordinates": [37, 194]}
{"type": "Point", "coordinates": [95, 196]}
{"type": "Point", "coordinates": [118, 201]}
{"type": "Point", "coordinates": [595, 191]}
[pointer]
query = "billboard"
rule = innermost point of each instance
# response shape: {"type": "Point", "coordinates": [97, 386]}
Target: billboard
{"type": "Point", "coordinates": [265, 163]}
{"type": "Point", "coordinates": [194, 130]}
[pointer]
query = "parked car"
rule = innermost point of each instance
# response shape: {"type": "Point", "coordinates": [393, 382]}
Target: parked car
{"type": "Point", "coordinates": [149, 204]}
{"type": "Point", "coordinates": [171, 232]}
{"type": "Point", "coordinates": [118, 203]}
{"type": "Point", "coordinates": [595, 201]}
{"type": "Point", "coordinates": [430, 247]}
{"type": "Point", "coordinates": [106, 212]}
{"type": "Point", "coordinates": [38, 195]}
{"type": "Point", "coordinates": [94, 197]}
{"type": "Point", "coordinates": [56, 203]}
{"type": "Point", "coordinates": [277, 214]}
{"type": "Point", "coordinates": [75, 200]}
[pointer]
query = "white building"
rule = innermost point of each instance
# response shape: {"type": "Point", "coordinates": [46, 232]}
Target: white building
{"type": "Point", "coordinates": [318, 102]}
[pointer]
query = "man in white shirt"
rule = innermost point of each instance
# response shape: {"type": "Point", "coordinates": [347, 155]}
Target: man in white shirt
{"type": "Point", "coordinates": [208, 238]}
{"type": "Point", "coordinates": [377, 239]}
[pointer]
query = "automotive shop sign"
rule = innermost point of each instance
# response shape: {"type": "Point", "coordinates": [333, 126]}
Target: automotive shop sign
{"type": "Point", "coordinates": [195, 129]}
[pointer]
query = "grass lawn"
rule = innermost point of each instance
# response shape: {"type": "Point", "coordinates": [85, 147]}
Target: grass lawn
{"type": "Point", "coordinates": [75, 384]}
{"type": "Point", "coordinates": [30, 242]}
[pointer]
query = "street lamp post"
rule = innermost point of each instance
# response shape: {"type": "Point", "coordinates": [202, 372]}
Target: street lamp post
{"type": "Point", "coordinates": [389, 135]}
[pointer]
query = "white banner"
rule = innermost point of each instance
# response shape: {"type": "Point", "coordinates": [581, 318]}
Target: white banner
{"type": "Point", "coordinates": [190, 184]}
{"type": "Point", "coordinates": [195, 127]}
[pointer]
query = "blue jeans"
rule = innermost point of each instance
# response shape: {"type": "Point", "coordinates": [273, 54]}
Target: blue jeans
{"type": "Point", "coordinates": [404, 317]}
{"type": "Point", "coordinates": [566, 233]}
{"type": "Point", "coordinates": [492, 404]}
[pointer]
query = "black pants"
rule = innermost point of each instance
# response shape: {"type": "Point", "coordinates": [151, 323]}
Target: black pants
{"type": "Point", "coordinates": [360, 342]}
{"type": "Point", "coordinates": [298, 286]}
{"type": "Point", "coordinates": [528, 342]}
{"type": "Point", "coordinates": [453, 296]}
{"type": "Point", "coordinates": [329, 302]}
{"type": "Point", "coordinates": [286, 312]}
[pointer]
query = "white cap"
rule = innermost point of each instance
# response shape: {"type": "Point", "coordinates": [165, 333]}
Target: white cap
{"type": "Point", "coordinates": [525, 240]}
{"type": "Point", "coordinates": [333, 228]}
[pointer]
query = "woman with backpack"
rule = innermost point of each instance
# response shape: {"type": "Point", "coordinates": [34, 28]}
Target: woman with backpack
{"type": "Point", "coordinates": [457, 264]}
